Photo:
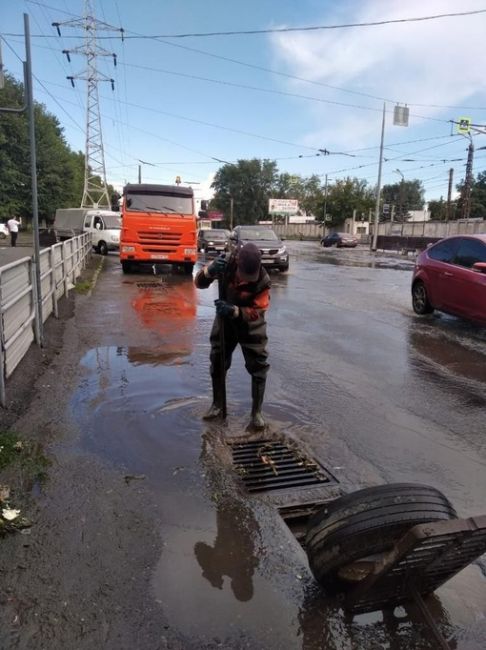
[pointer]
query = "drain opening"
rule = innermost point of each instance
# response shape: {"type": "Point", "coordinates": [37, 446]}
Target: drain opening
{"type": "Point", "coordinates": [151, 285]}
{"type": "Point", "coordinates": [296, 517]}
{"type": "Point", "coordinates": [264, 465]}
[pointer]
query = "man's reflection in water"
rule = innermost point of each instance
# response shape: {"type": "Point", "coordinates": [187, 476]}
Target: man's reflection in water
{"type": "Point", "coordinates": [234, 552]}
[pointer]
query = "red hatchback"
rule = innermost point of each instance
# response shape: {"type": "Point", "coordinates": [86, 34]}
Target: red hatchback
{"type": "Point", "coordinates": [451, 276]}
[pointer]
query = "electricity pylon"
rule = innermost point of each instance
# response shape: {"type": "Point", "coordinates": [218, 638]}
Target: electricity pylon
{"type": "Point", "coordinates": [95, 192]}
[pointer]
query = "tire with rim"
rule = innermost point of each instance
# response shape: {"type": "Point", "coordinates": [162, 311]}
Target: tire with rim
{"type": "Point", "coordinates": [420, 299]}
{"type": "Point", "coordinates": [102, 248]}
{"type": "Point", "coordinates": [283, 269]}
{"type": "Point", "coordinates": [367, 523]}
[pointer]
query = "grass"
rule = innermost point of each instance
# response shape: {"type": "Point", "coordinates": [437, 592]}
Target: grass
{"type": "Point", "coordinates": [23, 458]}
{"type": "Point", "coordinates": [83, 286]}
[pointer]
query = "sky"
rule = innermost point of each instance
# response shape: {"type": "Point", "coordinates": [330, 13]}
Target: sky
{"type": "Point", "coordinates": [183, 105]}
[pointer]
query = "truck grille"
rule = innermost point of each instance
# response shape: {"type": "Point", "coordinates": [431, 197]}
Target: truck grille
{"type": "Point", "coordinates": [159, 242]}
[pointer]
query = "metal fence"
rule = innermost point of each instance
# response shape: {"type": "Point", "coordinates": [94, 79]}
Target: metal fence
{"type": "Point", "coordinates": [20, 315]}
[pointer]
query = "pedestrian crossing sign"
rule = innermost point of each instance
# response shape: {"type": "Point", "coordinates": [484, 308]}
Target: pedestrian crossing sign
{"type": "Point", "coordinates": [464, 124]}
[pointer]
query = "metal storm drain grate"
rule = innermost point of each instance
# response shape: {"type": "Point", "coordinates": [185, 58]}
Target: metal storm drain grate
{"type": "Point", "coordinates": [265, 465]}
{"type": "Point", "coordinates": [151, 285]}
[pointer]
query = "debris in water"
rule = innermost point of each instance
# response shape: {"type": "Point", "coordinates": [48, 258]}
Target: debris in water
{"type": "Point", "coordinates": [266, 460]}
{"type": "Point", "coordinates": [4, 493]}
{"type": "Point", "coordinates": [134, 477]}
{"type": "Point", "coordinates": [10, 514]}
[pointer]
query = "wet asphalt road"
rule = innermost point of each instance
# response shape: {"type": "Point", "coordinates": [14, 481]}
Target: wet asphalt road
{"type": "Point", "coordinates": [372, 391]}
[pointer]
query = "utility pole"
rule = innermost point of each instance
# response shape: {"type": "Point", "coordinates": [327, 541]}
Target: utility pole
{"type": "Point", "coordinates": [231, 212]}
{"type": "Point", "coordinates": [325, 202]}
{"type": "Point", "coordinates": [139, 174]}
{"type": "Point", "coordinates": [95, 192]}
{"type": "Point", "coordinates": [449, 195]}
{"type": "Point", "coordinates": [378, 185]}
{"type": "Point", "coordinates": [466, 192]}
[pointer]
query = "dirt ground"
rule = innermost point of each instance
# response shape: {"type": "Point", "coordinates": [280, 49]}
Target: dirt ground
{"type": "Point", "coordinates": [84, 525]}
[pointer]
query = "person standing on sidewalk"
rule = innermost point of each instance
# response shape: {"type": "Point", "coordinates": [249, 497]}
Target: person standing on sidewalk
{"type": "Point", "coordinates": [246, 288]}
{"type": "Point", "coordinates": [13, 227]}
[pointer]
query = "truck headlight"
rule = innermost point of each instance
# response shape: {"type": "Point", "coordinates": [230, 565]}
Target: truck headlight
{"type": "Point", "coordinates": [128, 249]}
{"type": "Point", "coordinates": [189, 251]}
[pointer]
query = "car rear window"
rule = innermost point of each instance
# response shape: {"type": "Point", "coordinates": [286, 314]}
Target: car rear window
{"type": "Point", "coordinates": [444, 251]}
{"type": "Point", "coordinates": [469, 252]}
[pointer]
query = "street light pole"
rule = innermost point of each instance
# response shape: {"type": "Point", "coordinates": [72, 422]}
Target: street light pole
{"type": "Point", "coordinates": [378, 184]}
{"type": "Point", "coordinates": [400, 194]}
{"type": "Point", "coordinates": [231, 212]}
{"type": "Point", "coordinates": [33, 171]}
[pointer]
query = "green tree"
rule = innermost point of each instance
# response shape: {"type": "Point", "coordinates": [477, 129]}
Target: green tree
{"type": "Point", "coordinates": [250, 183]}
{"type": "Point", "coordinates": [347, 195]}
{"type": "Point", "coordinates": [478, 197]}
{"type": "Point", "coordinates": [60, 171]}
{"type": "Point", "coordinates": [438, 210]}
{"type": "Point", "coordinates": [307, 190]}
{"type": "Point", "coordinates": [405, 196]}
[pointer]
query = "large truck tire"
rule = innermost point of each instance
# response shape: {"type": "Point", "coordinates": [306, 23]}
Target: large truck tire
{"type": "Point", "coordinates": [188, 268]}
{"type": "Point", "coordinates": [126, 266]}
{"type": "Point", "coordinates": [367, 523]}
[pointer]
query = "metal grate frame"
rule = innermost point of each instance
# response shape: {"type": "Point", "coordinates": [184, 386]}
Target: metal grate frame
{"type": "Point", "coordinates": [266, 465]}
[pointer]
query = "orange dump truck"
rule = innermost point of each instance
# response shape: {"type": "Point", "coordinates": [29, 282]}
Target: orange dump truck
{"type": "Point", "coordinates": [158, 226]}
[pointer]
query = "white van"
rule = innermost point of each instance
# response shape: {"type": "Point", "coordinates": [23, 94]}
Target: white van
{"type": "Point", "coordinates": [104, 226]}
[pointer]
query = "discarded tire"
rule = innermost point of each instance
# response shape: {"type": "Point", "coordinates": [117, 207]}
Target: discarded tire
{"type": "Point", "coordinates": [366, 523]}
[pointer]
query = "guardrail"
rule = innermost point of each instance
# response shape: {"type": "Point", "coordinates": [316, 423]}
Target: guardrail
{"type": "Point", "coordinates": [21, 311]}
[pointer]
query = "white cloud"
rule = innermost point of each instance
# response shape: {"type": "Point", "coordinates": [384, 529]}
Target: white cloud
{"type": "Point", "coordinates": [431, 62]}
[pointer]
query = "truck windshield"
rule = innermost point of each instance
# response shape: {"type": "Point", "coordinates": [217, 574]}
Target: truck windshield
{"type": "Point", "coordinates": [112, 222]}
{"type": "Point", "coordinates": [159, 203]}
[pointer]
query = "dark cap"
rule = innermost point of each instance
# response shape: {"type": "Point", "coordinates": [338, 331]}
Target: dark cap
{"type": "Point", "coordinates": [249, 261]}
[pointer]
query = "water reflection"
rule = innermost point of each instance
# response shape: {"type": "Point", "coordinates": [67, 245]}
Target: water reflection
{"type": "Point", "coordinates": [450, 359]}
{"type": "Point", "coordinates": [362, 259]}
{"type": "Point", "coordinates": [166, 306]}
{"type": "Point", "coordinates": [233, 553]}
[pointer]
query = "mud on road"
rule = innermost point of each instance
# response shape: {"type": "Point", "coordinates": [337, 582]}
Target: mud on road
{"type": "Point", "coordinates": [79, 577]}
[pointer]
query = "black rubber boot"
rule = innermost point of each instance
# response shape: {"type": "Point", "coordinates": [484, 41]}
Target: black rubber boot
{"type": "Point", "coordinates": [257, 394]}
{"type": "Point", "coordinates": [215, 411]}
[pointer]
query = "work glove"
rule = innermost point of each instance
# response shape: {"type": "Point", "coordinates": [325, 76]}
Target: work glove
{"type": "Point", "coordinates": [217, 267]}
{"type": "Point", "coordinates": [226, 309]}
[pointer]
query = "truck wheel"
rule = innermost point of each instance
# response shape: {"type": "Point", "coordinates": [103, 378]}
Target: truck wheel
{"type": "Point", "coordinates": [347, 531]}
{"type": "Point", "coordinates": [102, 248]}
{"type": "Point", "coordinates": [188, 268]}
{"type": "Point", "coordinates": [126, 266]}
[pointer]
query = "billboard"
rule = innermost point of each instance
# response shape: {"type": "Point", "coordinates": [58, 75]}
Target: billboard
{"type": "Point", "coordinates": [283, 206]}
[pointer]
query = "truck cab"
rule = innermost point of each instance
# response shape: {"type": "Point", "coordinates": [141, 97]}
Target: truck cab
{"type": "Point", "coordinates": [159, 226]}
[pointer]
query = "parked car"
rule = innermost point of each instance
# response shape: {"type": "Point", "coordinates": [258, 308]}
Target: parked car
{"type": "Point", "coordinates": [450, 276]}
{"type": "Point", "coordinates": [212, 240]}
{"type": "Point", "coordinates": [3, 231]}
{"type": "Point", "coordinates": [340, 240]}
{"type": "Point", "coordinates": [274, 252]}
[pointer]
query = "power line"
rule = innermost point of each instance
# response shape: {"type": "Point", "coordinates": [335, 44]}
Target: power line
{"type": "Point", "coordinates": [271, 71]}
{"type": "Point", "coordinates": [310, 28]}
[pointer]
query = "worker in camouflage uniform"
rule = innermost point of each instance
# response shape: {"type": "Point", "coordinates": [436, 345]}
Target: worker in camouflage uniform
{"type": "Point", "coordinates": [246, 291]}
